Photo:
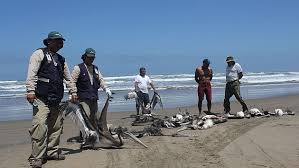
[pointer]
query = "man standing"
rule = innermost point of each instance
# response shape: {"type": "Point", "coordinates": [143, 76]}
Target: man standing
{"type": "Point", "coordinates": [141, 83]}
{"type": "Point", "coordinates": [233, 74]}
{"type": "Point", "coordinates": [203, 76]}
{"type": "Point", "coordinates": [88, 80]}
{"type": "Point", "coordinates": [46, 72]}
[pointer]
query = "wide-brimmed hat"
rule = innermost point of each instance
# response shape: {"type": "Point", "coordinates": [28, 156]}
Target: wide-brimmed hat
{"type": "Point", "coordinates": [230, 59]}
{"type": "Point", "coordinates": [53, 35]}
{"type": "Point", "coordinates": [90, 52]}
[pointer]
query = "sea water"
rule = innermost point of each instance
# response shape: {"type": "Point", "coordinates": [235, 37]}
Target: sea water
{"type": "Point", "coordinates": [176, 90]}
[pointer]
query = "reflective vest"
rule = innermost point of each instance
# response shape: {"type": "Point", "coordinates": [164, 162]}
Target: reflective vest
{"type": "Point", "coordinates": [84, 88]}
{"type": "Point", "coordinates": [50, 78]}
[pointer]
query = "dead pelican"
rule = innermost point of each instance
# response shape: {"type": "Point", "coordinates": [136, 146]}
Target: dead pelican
{"type": "Point", "coordinates": [96, 136]}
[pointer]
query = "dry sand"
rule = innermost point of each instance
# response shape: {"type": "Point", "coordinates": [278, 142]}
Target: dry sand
{"type": "Point", "coordinates": [257, 142]}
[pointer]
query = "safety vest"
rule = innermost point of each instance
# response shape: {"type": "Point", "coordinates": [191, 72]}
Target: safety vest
{"type": "Point", "coordinates": [50, 78]}
{"type": "Point", "coordinates": [84, 88]}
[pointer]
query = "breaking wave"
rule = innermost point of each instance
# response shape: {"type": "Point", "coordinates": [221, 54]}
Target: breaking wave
{"type": "Point", "coordinates": [16, 88]}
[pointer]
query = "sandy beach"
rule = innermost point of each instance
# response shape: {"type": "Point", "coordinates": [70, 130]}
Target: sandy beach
{"type": "Point", "coordinates": [253, 143]}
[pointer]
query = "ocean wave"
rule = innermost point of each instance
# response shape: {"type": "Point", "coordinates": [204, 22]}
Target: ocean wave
{"type": "Point", "coordinates": [219, 77]}
{"type": "Point", "coordinates": [122, 88]}
{"type": "Point", "coordinates": [1, 82]}
{"type": "Point", "coordinates": [12, 87]}
{"type": "Point", "coordinates": [255, 73]}
{"type": "Point", "coordinates": [171, 81]}
{"type": "Point", "coordinates": [271, 79]}
{"type": "Point", "coordinates": [294, 73]}
{"type": "Point", "coordinates": [172, 76]}
{"type": "Point", "coordinates": [12, 95]}
{"type": "Point", "coordinates": [118, 82]}
{"type": "Point", "coordinates": [119, 77]}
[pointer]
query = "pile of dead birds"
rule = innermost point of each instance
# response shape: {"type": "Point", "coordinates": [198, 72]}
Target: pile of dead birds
{"type": "Point", "coordinates": [255, 112]}
{"type": "Point", "coordinates": [184, 120]}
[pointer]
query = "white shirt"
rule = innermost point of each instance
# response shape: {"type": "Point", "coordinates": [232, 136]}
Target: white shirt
{"type": "Point", "coordinates": [142, 83]}
{"type": "Point", "coordinates": [232, 72]}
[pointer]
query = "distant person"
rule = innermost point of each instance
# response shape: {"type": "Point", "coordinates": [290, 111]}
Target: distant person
{"type": "Point", "coordinates": [88, 80]}
{"type": "Point", "coordinates": [46, 72]}
{"type": "Point", "coordinates": [203, 76]}
{"type": "Point", "coordinates": [234, 73]}
{"type": "Point", "coordinates": [141, 83]}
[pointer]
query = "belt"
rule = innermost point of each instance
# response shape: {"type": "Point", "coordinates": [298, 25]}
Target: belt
{"type": "Point", "coordinates": [44, 80]}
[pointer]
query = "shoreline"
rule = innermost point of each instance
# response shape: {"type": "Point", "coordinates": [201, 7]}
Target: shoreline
{"type": "Point", "coordinates": [19, 109]}
{"type": "Point", "coordinates": [214, 147]}
{"type": "Point", "coordinates": [232, 100]}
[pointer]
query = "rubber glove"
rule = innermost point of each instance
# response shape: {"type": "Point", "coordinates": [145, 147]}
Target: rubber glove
{"type": "Point", "coordinates": [108, 92]}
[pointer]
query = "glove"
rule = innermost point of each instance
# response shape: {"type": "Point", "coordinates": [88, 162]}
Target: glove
{"type": "Point", "coordinates": [31, 97]}
{"type": "Point", "coordinates": [108, 92]}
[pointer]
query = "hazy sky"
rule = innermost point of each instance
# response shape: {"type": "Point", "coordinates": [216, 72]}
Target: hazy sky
{"type": "Point", "coordinates": [165, 36]}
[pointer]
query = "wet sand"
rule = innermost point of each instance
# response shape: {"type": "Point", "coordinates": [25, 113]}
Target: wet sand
{"type": "Point", "coordinates": [256, 142]}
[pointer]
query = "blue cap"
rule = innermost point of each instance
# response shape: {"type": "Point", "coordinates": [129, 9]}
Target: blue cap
{"type": "Point", "coordinates": [206, 61]}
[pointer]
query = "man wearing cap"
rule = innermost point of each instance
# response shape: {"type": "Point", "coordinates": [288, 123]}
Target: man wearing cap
{"type": "Point", "coordinates": [88, 80]}
{"type": "Point", "coordinates": [46, 71]}
{"type": "Point", "coordinates": [234, 73]}
{"type": "Point", "coordinates": [203, 76]}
